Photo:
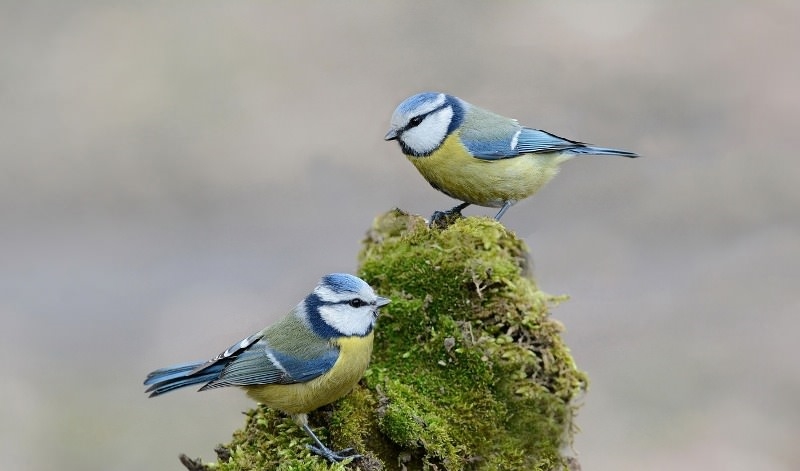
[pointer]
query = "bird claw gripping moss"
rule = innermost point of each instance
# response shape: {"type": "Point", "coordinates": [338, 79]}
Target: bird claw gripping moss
{"type": "Point", "coordinates": [333, 456]}
{"type": "Point", "coordinates": [442, 219]}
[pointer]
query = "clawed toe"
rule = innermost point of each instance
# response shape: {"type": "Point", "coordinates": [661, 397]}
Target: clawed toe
{"type": "Point", "coordinates": [442, 219]}
{"type": "Point", "coordinates": [334, 456]}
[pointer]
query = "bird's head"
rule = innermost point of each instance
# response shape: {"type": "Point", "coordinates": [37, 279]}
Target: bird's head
{"type": "Point", "coordinates": [422, 122]}
{"type": "Point", "coordinates": [342, 305]}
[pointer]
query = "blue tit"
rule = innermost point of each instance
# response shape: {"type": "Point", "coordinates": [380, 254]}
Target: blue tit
{"type": "Point", "coordinates": [477, 156]}
{"type": "Point", "coordinates": [311, 357]}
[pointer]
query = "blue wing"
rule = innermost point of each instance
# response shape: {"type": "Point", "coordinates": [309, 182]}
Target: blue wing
{"type": "Point", "coordinates": [260, 364]}
{"type": "Point", "coordinates": [530, 141]}
{"type": "Point", "coordinates": [248, 362]}
{"type": "Point", "coordinates": [535, 140]}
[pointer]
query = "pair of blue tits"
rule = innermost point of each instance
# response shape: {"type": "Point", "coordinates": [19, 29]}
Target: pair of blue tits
{"type": "Point", "coordinates": [320, 350]}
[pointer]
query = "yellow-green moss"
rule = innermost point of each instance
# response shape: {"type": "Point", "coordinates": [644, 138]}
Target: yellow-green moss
{"type": "Point", "coordinates": [468, 370]}
{"type": "Point", "coordinates": [269, 440]}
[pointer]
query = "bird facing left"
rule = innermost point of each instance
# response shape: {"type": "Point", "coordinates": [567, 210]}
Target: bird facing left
{"type": "Point", "coordinates": [310, 358]}
{"type": "Point", "coordinates": [479, 157]}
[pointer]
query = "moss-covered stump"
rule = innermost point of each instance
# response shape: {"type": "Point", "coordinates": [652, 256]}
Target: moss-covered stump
{"type": "Point", "coordinates": [468, 369]}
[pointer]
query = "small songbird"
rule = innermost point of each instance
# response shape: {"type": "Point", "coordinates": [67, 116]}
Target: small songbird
{"type": "Point", "coordinates": [477, 156]}
{"type": "Point", "coordinates": [311, 357]}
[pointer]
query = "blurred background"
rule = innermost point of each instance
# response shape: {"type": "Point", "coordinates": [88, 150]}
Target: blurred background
{"type": "Point", "coordinates": [175, 176]}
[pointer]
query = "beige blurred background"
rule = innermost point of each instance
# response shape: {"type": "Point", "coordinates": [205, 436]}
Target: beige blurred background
{"type": "Point", "coordinates": [176, 175]}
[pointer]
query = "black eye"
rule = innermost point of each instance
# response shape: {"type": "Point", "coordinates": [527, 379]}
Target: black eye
{"type": "Point", "coordinates": [413, 122]}
{"type": "Point", "coordinates": [357, 302]}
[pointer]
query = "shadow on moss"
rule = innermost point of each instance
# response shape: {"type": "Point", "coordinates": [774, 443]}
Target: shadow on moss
{"type": "Point", "coordinates": [468, 370]}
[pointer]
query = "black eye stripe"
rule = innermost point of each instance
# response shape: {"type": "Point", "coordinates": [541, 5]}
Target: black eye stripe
{"type": "Point", "coordinates": [416, 120]}
{"type": "Point", "coordinates": [353, 302]}
{"type": "Point", "coordinates": [357, 302]}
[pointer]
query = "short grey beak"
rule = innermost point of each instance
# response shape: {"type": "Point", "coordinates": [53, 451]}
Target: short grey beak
{"type": "Point", "coordinates": [391, 135]}
{"type": "Point", "coordinates": [382, 301]}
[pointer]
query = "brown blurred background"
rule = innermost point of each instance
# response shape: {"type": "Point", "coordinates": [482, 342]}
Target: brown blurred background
{"type": "Point", "coordinates": [176, 176]}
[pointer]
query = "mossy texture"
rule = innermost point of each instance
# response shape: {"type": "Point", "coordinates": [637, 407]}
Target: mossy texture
{"type": "Point", "coordinates": [468, 370]}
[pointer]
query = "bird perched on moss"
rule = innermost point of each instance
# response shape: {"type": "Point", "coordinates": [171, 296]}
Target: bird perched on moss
{"type": "Point", "coordinates": [312, 357]}
{"type": "Point", "coordinates": [477, 156]}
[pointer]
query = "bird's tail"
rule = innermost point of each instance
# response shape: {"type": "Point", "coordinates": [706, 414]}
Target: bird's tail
{"type": "Point", "coordinates": [165, 380]}
{"type": "Point", "coordinates": [602, 151]}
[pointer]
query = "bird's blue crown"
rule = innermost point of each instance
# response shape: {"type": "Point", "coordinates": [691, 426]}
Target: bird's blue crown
{"type": "Point", "coordinates": [417, 101]}
{"type": "Point", "coordinates": [341, 283]}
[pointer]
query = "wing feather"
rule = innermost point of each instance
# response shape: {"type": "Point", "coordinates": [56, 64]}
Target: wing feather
{"type": "Point", "coordinates": [514, 144]}
{"type": "Point", "coordinates": [262, 365]}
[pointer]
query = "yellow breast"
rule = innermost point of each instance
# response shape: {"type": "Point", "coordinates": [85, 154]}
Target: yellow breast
{"type": "Point", "coordinates": [454, 171]}
{"type": "Point", "coordinates": [301, 398]}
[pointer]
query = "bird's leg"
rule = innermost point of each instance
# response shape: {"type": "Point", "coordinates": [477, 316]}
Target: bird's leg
{"type": "Point", "coordinates": [444, 218]}
{"type": "Point", "coordinates": [325, 452]}
{"type": "Point", "coordinates": [503, 210]}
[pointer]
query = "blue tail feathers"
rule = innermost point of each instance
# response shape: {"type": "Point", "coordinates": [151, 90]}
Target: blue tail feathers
{"type": "Point", "coordinates": [167, 379]}
{"type": "Point", "coordinates": [586, 149]}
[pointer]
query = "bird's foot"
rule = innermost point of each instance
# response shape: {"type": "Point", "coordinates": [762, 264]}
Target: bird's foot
{"type": "Point", "coordinates": [442, 219]}
{"type": "Point", "coordinates": [334, 456]}
{"type": "Point", "coordinates": [318, 448]}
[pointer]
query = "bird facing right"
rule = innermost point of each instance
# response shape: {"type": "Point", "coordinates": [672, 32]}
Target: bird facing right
{"type": "Point", "coordinates": [479, 157]}
{"type": "Point", "coordinates": [311, 357]}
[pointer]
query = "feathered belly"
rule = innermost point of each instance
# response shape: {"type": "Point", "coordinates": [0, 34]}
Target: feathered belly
{"type": "Point", "coordinates": [300, 398]}
{"type": "Point", "coordinates": [454, 172]}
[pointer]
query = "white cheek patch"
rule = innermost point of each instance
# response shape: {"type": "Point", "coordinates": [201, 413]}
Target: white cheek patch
{"type": "Point", "coordinates": [347, 320]}
{"type": "Point", "coordinates": [430, 133]}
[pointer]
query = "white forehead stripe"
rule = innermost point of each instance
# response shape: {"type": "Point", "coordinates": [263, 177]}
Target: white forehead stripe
{"type": "Point", "coordinates": [429, 106]}
{"type": "Point", "coordinates": [328, 295]}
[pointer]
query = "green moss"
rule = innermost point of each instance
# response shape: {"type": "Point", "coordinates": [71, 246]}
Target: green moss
{"type": "Point", "coordinates": [468, 369]}
{"type": "Point", "coordinates": [269, 440]}
{"type": "Point", "coordinates": [473, 371]}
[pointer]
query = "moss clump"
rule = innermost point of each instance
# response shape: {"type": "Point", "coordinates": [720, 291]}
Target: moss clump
{"type": "Point", "coordinates": [269, 440]}
{"type": "Point", "coordinates": [468, 370]}
{"type": "Point", "coordinates": [471, 371]}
